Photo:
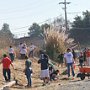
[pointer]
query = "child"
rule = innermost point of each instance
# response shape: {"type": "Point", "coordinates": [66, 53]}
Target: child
{"type": "Point", "coordinates": [28, 71]}
{"type": "Point", "coordinates": [53, 75]}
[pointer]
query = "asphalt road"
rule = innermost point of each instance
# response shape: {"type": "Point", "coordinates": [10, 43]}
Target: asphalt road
{"type": "Point", "coordinates": [75, 85]}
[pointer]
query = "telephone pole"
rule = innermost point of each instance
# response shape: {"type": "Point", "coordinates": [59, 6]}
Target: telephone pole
{"type": "Point", "coordinates": [65, 9]}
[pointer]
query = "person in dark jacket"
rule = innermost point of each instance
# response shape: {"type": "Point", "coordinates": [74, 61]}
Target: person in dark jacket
{"type": "Point", "coordinates": [74, 54]}
{"type": "Point", "coordinates": [81, 59]}
{"type": "Point", "coordinates": [44, 67]}
{"type": "Point", "coordinates": [61, 59]}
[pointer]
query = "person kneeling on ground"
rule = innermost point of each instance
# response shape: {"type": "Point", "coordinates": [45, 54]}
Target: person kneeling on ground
{"type": "Point", "coordinates": [53, 75]}
{"type": "Point", "coordinates": [28, 71]}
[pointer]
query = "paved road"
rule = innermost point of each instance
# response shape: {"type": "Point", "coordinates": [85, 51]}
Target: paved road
{"type": "Point", "coordinates": [75, 85]}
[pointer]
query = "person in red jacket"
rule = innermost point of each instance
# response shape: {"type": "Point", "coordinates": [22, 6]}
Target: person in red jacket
{"type": "Point", "coordinates": [6, 62]}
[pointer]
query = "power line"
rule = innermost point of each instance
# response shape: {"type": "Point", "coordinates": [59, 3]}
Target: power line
{"type": "Point", "coordinates": [18, 17]}
{"type": "Point", "coordinates": [23, 33]}
{"type": "Point", "coordinates": [38, 23]}
{"type": "Point", "coordinates": [20, 8]}
{"type": "Point", "coordinates": [27, 26]}
{"type": "Point", "coordinates": [74, 12]}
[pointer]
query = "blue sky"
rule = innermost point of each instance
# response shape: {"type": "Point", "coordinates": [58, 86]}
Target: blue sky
{"type": "Point", "coordinates": [20, 13]}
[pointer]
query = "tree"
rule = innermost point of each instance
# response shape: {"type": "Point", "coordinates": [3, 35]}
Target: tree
{"type": "Point", "coordinates": [81, 28]}
{"type": "Point", "coordinates": [86, 20]}
{"type": "Point", "coordinates": [44, 27]}
{"type": "Point", "coordinates": [6, 31]}
{"type": "Point", "coordinates": [34, 29]}
{"type": "Point", "coordinates": [6, 37]}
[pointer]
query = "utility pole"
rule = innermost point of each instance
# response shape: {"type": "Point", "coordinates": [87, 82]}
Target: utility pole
{"type": "Point", "coordinates": [65, 8]}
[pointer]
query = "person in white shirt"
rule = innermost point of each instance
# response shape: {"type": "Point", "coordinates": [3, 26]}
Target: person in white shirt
{"type": "Point", "coordinates": [11, 53]}
{"type": "Point", "coordinates": [31, 52]}
{"type": "Point", "coordinates": [23, 52]}
{"type": "Point", "coordinates": [69, 60]}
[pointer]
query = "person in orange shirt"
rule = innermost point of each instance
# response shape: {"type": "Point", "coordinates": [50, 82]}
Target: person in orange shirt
{"type": "Point", "coordinates": [88, 57]}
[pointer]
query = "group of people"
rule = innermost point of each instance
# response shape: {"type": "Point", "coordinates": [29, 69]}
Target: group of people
{"type": "Point", "coordinates": [23, 50]}
{"type": "Point", "coordinates": [84, 58]}
{"type": "Point", "coordinates": [48, 72]}
{"type": "Point", "coordinates": [46, 75]}
{"type": "Point", "coordinates": [6, 62]}
{"type": "Point", "coordinates": [9, 58]}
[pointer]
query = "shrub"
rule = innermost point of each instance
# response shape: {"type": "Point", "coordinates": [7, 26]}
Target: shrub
{"type": "Point", "coordinates": [56, 41]}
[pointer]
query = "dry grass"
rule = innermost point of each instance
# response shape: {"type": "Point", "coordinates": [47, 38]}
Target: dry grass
{"type": "Point", "coordinates": [36, 82]}
{"type": "Point", "coordinates": [56, 41]}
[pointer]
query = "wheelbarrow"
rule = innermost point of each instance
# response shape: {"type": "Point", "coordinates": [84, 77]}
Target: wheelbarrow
{"type": "Point", "coordinates": [84, 71]}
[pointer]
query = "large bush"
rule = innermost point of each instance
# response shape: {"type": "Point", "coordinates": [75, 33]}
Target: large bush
{"type": "Point", "coordinates": [56, 42]}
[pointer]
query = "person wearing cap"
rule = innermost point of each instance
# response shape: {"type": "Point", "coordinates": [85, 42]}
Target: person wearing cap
{"type": "Point", "coordinates": [6, 61]}
{"type": "Point", "coordinates": [68, 56]}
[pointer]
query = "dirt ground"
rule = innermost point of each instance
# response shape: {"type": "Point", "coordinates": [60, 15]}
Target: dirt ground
{"type": "Point", "coordinates": [19, 75]}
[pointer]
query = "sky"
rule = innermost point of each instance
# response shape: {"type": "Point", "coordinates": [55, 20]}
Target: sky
{"type": "Point", "coordinates": [20, 14]}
